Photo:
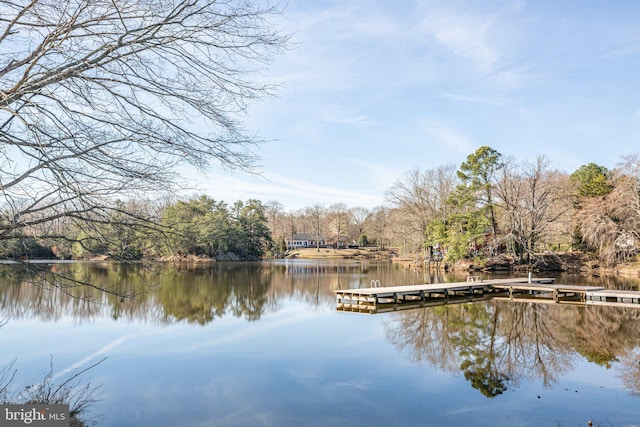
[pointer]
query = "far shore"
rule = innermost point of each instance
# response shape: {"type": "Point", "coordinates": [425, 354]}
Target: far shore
{"type": "Point", "coordinates": [567, 262]}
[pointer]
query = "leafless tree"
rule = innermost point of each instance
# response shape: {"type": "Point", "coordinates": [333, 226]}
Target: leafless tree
{"type": "Point", "coordinates": [316, 216]}
{"type": "Point", "coordinates": [102, 99]}
{"type": "Point", "coordinates": [380, 225]}
{"type": "Point", "coordinates": [533, 197]}
{"type": "Point", "coordinates": [422, 196]}
{"type": "Point", "coordinates": [630, 371]}
{"type": "Point", "coordinates": [358, 216]}
{"type": "Point", "coordinates": [338, 222]}
{"type": "Point", "coordinates": [611, 224]}
{"type": "Point", "coordinates": [274, 211]}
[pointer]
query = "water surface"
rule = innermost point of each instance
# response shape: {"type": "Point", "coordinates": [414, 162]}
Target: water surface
{"type": "Point", "coordinates": [233, 344]}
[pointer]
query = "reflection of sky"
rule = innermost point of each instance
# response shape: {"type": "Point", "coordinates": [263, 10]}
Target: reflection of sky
{"type": "Point", "coordinates": [292, 367]}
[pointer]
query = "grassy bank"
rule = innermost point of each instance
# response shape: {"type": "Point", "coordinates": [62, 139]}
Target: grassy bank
{"type": "Point", "coordinates": [330, 253]}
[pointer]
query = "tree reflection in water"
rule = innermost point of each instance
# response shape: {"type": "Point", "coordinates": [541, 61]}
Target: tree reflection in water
{"type": "Point", "coordinates": [498, 344]}
{"type": "Point", "coordinates": [495, 345]}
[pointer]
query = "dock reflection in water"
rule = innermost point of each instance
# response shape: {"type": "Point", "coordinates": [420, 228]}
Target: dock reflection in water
{"type": "Point", "coordinates": [266, 338]}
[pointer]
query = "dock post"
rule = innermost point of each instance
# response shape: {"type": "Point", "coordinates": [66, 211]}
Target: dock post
{"type": "Point", "coordinates": [529, 277]}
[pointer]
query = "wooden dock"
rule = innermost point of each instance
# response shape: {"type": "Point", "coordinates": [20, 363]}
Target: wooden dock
{"type": "Point", "coordinates": [377, 299]}
{"type": "Point", "coordinates": [614, 297]}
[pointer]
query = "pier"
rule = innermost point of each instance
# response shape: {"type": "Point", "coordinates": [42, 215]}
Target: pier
{"type": "Point", "coordinates": [380, 299]}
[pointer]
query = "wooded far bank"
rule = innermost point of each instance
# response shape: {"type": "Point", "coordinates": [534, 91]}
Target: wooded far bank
{"type": "Point", "coordinates": [489, 205]}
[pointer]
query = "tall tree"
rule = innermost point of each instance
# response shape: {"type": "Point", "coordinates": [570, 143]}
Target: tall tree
{"type": "Point", "coordinates": [338, 222]}
{"type": "Point", "coordinates": [101, 99]}
{"type": "Point", "coordinates": [422, 197]}
{"type": "Point", "coordinates": [358, 216]}
{"type": "Point", "coordinates": [534, 198]}
{"type": "Point", "coordinates": [465, 225]}
{"type": "Point", "coordinates": [381, 225]}
{"type": "Point", "coordinates": [478, 172]}
{"type": "Point", "coordinates": [316, 215]}
{"type": "Point", "coordinates": [274, 212]}
{"type": "Point", "coordinates": [276, 217]}
{"type": "Point", "coordinates": [253, 229]}
{"type": "Point", "coordinates": [592, 180]}
{"type": "Point", "coordinates": [195, 223]}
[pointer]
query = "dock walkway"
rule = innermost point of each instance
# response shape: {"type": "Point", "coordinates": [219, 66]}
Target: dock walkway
{"type": "Point", "coordinates": [378, 299]}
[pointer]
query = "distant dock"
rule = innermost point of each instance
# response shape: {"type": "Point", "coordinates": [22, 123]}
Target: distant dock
{"type": "Point", "coordinates": [379, 299]}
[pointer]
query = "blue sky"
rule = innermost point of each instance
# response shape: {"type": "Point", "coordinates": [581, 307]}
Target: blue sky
{"type": "Point", "coordinates": [372, 89]}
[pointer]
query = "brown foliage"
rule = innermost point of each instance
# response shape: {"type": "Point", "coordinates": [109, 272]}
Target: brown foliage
{"type": "Point", "coordinates": [610, 224]}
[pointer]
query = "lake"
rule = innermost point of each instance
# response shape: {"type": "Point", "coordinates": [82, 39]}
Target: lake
{"type": "Point", "coordinates": [262, 344]}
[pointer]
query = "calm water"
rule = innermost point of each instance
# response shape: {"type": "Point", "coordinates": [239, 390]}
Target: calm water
{"type": "Point", "coordinates": [262, 345]}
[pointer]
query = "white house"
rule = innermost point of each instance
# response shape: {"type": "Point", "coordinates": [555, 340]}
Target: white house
{"type": "Point", "coordinates": [304, 241]}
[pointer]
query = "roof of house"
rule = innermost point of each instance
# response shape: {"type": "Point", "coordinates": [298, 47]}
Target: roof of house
{"type": "Point", "coordinates": [304, 236]}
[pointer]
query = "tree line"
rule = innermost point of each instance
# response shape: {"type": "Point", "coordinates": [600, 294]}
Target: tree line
{"type": "Point", "coordinates": [199, 226]}
{"type": "Point", "coordinates": [488, 205]}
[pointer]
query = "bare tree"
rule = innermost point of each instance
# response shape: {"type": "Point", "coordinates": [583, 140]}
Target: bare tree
{"type": "Point", "coordinates": [274, 211]}
{"type": "Point", "coordinates": [358, 216]}
{"type": "Point", "coordinates": [422, 197]}
{"type": "Point", "coordinates": [611, 223]}
{"type": "Point", "coordinates": [380, 224]}
{"type": "Point", "coordinates": [102, 99]}
{"type": "Point", "coordinates": [534, 197]}
{"type": "Point", "coordinates": [316, 215]}
{"type": "Point", "coordinates": [338, 222]}
{"type": "Point", "coordinates": [629, 171]}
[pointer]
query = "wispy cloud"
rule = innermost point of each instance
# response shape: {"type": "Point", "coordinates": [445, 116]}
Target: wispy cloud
{"type": "Point", "coordinates": [465, 98]}
{"type": "Point", "coordinates": [292, 192]}
{"type": "Point", "coordinates": [380, 175]}
{"type": "Point", "coordinates": [304, 190]}
{"type": "Point", "coordinates": [629, 48]}
{"type": "Point", "coordinates": [449, 137]}
{"type": "Point", "coordinates": [463, 33]}
{"type": "Point", "coordinates": [482, 36]}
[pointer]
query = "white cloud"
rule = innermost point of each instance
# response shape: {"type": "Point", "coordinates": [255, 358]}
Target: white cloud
{"type": "Point", "coordinates": [450, 137]}
{"type": "Point", "coordinates": [630, 48]}
{"type": "Point", "coordinates": [292, 192]}
{"type": "Point", "coordinates": [508, 79]}
{"type": "Point", "coordinates": [464, 34]}
{"type": "Point", "coordinates": [379, 176]}
{"type": "Point", "coordinates": [484, 36]}
{"type": "Point", "coordinates": [465, 98]}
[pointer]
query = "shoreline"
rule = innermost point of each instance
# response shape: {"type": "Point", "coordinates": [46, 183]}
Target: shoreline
{"type": "Point", "coordinates": [567, 262]}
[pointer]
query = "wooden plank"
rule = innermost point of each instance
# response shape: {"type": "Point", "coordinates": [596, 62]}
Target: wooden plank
{"type": "Point", "coordinates": [545, 287]}
{"type": "Point", "coordinates": [614, 297]}
{"type": "Point", "coordinates": [533, 299]}
{"type": "Point", "coordinates": [613, 304]}
{"type": "Point", "coordinates": [614, 292]}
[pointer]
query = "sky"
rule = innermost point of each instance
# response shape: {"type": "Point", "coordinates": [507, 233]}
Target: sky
{"type": "Point", "coordinates": [369, 90]}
